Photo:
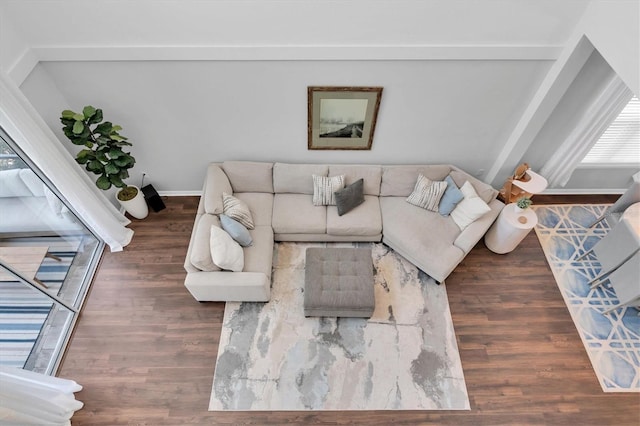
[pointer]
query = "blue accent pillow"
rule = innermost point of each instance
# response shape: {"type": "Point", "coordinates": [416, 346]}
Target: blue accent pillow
{"type": "Point", "coordinates": [452, 196]}
{"type": "Point", "coordinates": [237, 230]}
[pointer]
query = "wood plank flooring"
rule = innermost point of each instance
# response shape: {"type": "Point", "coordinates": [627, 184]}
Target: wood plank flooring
{"type": "Point", "coordinates": [145, 350]}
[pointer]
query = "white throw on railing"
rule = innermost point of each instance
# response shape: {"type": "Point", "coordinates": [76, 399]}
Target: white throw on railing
{"type": "Point", "coordinates": [28, 398]}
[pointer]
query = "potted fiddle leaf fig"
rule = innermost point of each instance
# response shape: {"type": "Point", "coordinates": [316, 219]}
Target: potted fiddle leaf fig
{"type": "Point", "coordinates": [104, 155]}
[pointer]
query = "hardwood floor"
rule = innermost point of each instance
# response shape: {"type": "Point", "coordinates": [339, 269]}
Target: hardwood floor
{"type": "Point", "coordinates": [145, 350]}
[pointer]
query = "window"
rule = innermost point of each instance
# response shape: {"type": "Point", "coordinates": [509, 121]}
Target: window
{"type": "Point", "coordinates": [53, 256]}
{"type": "Point", "coordinates": [620, 143]}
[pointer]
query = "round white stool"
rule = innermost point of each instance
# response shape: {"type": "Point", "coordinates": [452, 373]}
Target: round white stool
{"type": "Point", "coordinates": [510, 228]}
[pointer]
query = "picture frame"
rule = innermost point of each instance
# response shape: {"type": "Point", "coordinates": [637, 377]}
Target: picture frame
{"type": "Point", "coordinates": [342, 118]}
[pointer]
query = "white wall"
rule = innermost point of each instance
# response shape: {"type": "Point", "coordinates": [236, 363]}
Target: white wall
{"type": "Point", "coordinates": [613, 27]}
{"type": "Point", "coordinates": [180, 115]}
{"type": "Point", "coordinates": [585, 88]}
{"type": "Point", "coordinates": [174, 61]}
{"type": "Point", "coordinates": [581, 94]}
{"type": "Point", "coordinates": [122, 23]}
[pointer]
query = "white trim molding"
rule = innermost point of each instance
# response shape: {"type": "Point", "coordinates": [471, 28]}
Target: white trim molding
{"type": "Point", "coordinates": [180, 193]}
{"type": "Point", "coordinates": [23, 66]}
{"type": "Point", "coordinates": [21, 69]}
{"type": "Point", "coordinates": [298, 53]}
{"type": "Point", "coordinates": [584, 191]}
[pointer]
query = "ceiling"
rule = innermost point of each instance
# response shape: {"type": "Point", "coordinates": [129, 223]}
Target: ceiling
{"type": "Point", "coordinates": [120, 23]}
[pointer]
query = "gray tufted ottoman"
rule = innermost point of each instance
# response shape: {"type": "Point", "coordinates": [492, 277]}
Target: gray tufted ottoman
{"type": "Point", "coordinates": [338, 282]}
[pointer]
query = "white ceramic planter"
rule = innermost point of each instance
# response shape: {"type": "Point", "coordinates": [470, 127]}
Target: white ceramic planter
{"type": "Point", "coordinates": [136, 207]}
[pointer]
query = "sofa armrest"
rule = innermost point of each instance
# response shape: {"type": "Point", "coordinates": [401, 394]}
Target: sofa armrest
{"type": "Point", "coordinates": [474, 232]}
{"type": "Point", "coordinates": [225, 286]}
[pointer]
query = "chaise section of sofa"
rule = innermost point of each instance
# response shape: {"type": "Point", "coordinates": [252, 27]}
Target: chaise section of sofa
{"type": "Point", "coordinates": [432, 242]}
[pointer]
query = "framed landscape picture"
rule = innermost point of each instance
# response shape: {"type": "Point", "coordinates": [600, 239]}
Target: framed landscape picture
{"type": "Point", "coordinates": [342, 117]}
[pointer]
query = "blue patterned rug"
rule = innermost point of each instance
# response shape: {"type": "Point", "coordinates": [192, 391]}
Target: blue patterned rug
{"type": "Point", "coordinates": [23, 311]}
{"type": "Point", "coordinates": [612, 341]}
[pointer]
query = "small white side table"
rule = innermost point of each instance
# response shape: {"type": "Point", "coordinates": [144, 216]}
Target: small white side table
{"type": "Point", "coordinates": [509, 229]}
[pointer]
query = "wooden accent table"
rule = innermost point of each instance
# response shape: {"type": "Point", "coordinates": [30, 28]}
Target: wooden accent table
{"type": "Point", "coordinates": [26, 260]}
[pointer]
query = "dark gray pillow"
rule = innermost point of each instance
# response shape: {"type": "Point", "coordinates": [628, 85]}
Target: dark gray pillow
{"type": "Point", "coordinates": [350, 197]}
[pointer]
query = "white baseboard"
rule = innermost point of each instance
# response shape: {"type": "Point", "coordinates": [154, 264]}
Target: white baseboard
{"type": "Point", "coordinates": [545, 192]}
{"type": "Point", "coordinates": [585, 191]}
{"type": "Point", "coordinates": [180, 193]}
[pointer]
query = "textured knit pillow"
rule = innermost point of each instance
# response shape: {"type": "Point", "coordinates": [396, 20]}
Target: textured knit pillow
{"type": "Point", "coordinates": [324, 187]}
{"type": "Point", "coordinates": [451, 197]}
{"type": "Point", "coordinates": [225, 252]}
{"type": "Point", "coordinates": [237, 209]}
{"type": "Point", "coordinates": [427, 193]}
{"type": "Point", "coordinates": [350, 197]}
{"type": "Point", "coordinates": [470, 209]}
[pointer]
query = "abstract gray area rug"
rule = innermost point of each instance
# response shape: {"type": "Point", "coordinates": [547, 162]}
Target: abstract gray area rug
{"type": "Point", "coordinates": [405, 357]}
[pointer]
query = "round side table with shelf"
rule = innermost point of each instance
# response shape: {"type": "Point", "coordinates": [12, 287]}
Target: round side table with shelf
{"type": "Point", "coordinates": [510, 228]}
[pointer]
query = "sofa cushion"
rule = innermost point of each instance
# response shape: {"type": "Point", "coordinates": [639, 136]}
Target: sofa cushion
{"type": "Point", "coordinates": [260, 204]}
{"type": "Point", "coordinates": [236, 230]}
{"type": "Point", "coordinates": [471, 208]}
{"type": "Point", "coordinates": [296, 214]}
{"type": "Point", "coordinates": [33, 182]}
{"type": "Point", "coordinates": [427, 193]}
{"type": "Point", "coordinates": [362, 220]}
{"type": "Point", "coordinates": [249, 176]}
{"type": "Point", "coordinates": [216, 183]}
{"type": "Point", "coordinates": [201, 245]}
{"type": "Point", "coordinates": [296, 178]}
{"type": "Point", "coordinates": [324, 188]}
{"type": "Point", "coordinates": [370, 174]}
{"type": "Point", "coordinates": [451, 197]}
{"type": "Point", "coordinates": [237, 209]}
{"type": "Point", "coordinates": [399, 181]}
{"type": "Point", "coordinates": [12, 185]}
{"type": "Point", "coordinates": [225, 252]}
{"type": "Point", "coordinates": [259, 256]}
{"type": "Point", "coordinates": [485, 191]}
{"type": "Point", "coordinates": [350, 197]}
{"type": "Point", "coordinates": [425, 238]}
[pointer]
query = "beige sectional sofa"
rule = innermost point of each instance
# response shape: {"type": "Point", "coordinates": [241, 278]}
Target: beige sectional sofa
{"type": "Point", "coordinates": [279, 196]}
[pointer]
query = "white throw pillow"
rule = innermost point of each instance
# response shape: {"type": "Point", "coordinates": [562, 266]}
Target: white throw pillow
{"type": "Point", "coordinates": [427, 193]}
{"type": "Point", "coordinates": [237, 209]}
{"type": "Point", "coordinates": [324, 187]}
{"type": "Point", "coordinates": [226, 253]}
{"type": "Point", "coordinates": [470, 209]}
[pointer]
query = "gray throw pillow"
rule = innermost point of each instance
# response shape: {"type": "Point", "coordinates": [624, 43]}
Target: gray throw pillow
{"type": "Point", "coordinates": [350, 197]}
{"type": "Point", "coordinates": [237, 231]}
{"type": "Point", "coordinates": [451, 197]}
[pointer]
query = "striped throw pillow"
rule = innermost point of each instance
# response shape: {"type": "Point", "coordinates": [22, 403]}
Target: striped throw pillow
{"type": "Point", "coordinates": [324, 187]}
{"type": "Point", "coordinates": [427, 193]}
{"type": "Point", "coordinates": [237, 209]}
